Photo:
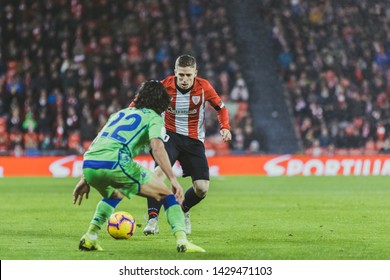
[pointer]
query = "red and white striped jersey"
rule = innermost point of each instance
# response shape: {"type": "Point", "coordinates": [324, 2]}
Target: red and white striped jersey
{"type": "Point", "coordinates": [186, 113]}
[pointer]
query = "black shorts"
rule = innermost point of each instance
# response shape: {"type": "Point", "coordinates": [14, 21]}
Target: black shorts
{"type": "Point", "coordinates": [191, 155]}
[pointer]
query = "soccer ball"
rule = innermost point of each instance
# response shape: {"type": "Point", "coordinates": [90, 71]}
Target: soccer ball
{"type": "Point", "coordinates": [121, 225]}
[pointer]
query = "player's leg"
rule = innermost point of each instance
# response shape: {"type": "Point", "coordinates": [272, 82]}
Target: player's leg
{"type": "Point", "coordinates": [154, 206]}
{"type": "Point", "coordinates": [195, 194]}
{"type": "Point", "coordinates": [104, 209]}
{"type": "Point", "coordinates": [194, 163]}
{"type": "Point", "coordinates": [156, 189]}
{"type": "Point", "coordinates": [101, 180]}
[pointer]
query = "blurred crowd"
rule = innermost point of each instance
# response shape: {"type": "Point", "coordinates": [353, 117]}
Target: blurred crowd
{"type": "Point", "coordinates": [66, 65]}
{"type": "Point", "coordinates": [334, 57]}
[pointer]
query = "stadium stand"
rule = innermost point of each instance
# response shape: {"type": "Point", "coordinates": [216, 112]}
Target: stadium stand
{"type": "Point", "coordinates": [271, 114]}
{"type": "Point", "coordinates": [65, 65]}
{"type": "Point", "coordinates": [334, 59]}
{"type": "Point", "coordinates": [307, 77]}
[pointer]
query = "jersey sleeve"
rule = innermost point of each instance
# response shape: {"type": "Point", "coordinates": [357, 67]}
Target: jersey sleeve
{"type": "Point", "coordinates": [169, 82]}
{"type": "Point", "coordinates": [156, 128]}
{"type": "Point", "coordinates": [217, 103]}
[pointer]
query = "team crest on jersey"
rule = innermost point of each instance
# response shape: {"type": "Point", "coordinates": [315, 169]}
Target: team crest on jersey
{"type": "Point", "coordinates": [196, 99]}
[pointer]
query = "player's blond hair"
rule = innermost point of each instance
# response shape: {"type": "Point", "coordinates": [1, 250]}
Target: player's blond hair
{"type": "Point", "coordinates": [185, 60]}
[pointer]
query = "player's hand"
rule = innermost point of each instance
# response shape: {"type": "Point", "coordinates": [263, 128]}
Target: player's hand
{"type": "Point", "coordinates": [226, 135]}
{"type": "Point", "coordinates": [177, 190]}
{"type": "Point", "coordinates": [81, 188]}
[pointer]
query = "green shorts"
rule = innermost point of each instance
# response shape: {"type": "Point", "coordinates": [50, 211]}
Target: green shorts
{"type": "Point", "coordinates": [106, 176]}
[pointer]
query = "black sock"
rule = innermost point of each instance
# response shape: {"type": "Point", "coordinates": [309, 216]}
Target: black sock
{"type": "Point", "coordinates": [190, 199]}
{"type": "Point", "coordinates": [154, 207]}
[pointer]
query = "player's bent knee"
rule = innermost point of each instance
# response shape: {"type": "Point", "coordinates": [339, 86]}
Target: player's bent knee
{"type": "Point", "coordinates": [155, 189]}
{"type": "Point", "coordinates": [201, 193]}
{"type": "Point", "coordinates": [201, 187]}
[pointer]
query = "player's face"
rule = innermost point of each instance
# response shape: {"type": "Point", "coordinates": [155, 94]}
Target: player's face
{"type": "Point", "coordinates": [185, 76]}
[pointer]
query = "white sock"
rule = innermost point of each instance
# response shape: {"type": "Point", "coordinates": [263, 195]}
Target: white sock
{"type": "Point", "coordinates": [92, 236]}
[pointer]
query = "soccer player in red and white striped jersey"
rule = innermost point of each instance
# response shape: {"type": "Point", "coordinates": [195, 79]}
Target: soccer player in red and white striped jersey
{"type": "Point", "coordinates": [190, 95]}
{"type": "Point", "coordinates": [184, 122]}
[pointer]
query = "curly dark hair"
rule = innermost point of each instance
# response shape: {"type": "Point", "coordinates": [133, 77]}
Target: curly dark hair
{"type": "Point", "coordinates": [153, 95]}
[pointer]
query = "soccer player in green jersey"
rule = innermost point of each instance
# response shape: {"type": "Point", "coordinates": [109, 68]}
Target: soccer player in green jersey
{"type": "Point", "coordinates": [109, 166]}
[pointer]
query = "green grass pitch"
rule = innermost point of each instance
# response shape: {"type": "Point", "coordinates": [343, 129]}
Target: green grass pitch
{"type": "Point", "coordinates": [243, 218]}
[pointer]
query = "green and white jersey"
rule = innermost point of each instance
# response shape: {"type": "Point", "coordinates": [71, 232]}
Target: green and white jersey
{"type": "Point", "coordinates": [126, 133]}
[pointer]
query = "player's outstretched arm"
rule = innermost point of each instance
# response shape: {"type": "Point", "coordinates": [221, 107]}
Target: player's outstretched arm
{"type": "Point", "coordinates": [161, 157]}
{"type": "Point", "coordinates": [81, 188]}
